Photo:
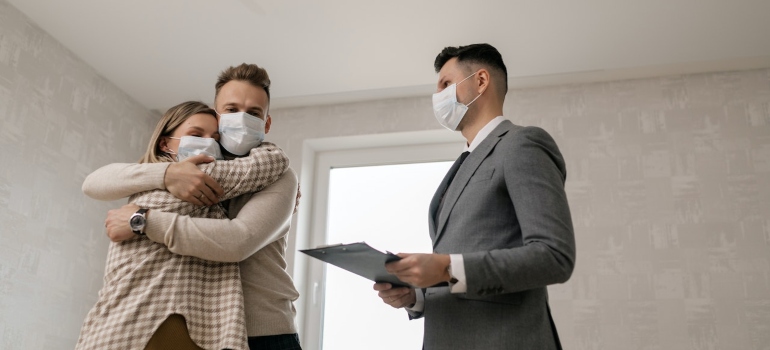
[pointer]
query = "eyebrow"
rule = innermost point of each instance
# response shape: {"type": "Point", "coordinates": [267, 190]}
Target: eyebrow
{"type": "Point", "coordinates": [233, 104]}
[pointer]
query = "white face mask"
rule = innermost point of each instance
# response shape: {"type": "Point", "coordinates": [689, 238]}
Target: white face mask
{"type": "Point", "coordinates": [240, 132]}
{"type": "Point", "coordinates": [192, 145]}
{"type": "Point", "coordinates": [447, 110]}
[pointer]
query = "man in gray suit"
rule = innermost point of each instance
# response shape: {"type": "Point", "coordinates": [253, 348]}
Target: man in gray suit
{"type": "Point", "coordinates": [499, 221]}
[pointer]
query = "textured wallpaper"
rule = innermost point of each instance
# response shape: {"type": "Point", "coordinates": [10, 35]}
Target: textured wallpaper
{"type": "Point", "coordinates": [669, 185]}
{"type": "Point", "coordinates": [59, 120]}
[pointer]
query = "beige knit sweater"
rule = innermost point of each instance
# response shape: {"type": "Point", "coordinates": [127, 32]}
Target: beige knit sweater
{"type": "Point", "coordinates": [254, 236]}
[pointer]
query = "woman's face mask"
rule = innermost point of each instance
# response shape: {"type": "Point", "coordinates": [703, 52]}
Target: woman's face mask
{"type": "Point", "coordinates": [240, 132]}
{"type": "Point", "coordinates": [192, 145]}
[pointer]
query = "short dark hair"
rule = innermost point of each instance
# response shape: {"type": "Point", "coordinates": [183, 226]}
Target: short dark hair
{"type": "Point", "coordinates": [484, 54]}
{"type": "Point", "coordinates": [251, 73]}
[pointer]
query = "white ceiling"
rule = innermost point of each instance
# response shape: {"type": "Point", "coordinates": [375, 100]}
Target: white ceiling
{"type": "Point", "coordinates": [162, 52]}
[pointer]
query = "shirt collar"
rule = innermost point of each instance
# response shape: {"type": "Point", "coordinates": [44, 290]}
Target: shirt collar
{"type": "Point", "coordinates": [483, 133]}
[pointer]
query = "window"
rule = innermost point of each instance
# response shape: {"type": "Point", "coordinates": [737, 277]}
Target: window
{"type": "Point", "coordinates": [385, 206]}
{"type": "Point", "coordinates": [376, 195]}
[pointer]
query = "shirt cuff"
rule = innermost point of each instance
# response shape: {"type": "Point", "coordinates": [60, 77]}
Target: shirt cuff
{"type": "Point", "coordinates": [419, 305]}
{"type": "Point", "coordinates": [458, 272]}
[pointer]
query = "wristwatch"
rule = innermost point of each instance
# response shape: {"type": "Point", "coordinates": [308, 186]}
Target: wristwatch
{"type": "Point", "coordinates": [138, 221]}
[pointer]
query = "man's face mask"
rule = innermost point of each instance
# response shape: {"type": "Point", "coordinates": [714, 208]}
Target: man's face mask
{"type": "Point", "coordinates": [240, 132]}
{"type": "Point", "coordinates": [192, 145]}
{"type": "Point", "coordinates": [448, 111]}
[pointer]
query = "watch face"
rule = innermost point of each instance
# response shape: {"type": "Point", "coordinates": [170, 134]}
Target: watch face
{"type": "Point", "coordinates": [136, 222]}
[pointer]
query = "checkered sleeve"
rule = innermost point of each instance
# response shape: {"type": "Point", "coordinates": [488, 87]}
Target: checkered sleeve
{"type": "Point", "coordinates": [263, 166]}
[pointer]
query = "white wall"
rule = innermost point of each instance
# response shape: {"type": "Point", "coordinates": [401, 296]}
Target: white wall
{"type": "Point", "coordinates": [59, 120]}
{"type": "Point", "coordinates": [669, 185]}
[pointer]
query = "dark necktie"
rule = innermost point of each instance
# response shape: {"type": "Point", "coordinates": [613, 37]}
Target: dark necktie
{"type": "Point", "coordinates": [451, 176]}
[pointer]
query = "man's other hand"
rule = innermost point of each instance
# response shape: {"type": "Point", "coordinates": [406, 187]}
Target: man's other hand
{"type": "Point", "coordinates": [396, 297]}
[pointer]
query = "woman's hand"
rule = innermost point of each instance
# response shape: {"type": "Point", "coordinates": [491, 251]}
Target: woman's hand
{"type": "Point", "coordinates": [185, 181]}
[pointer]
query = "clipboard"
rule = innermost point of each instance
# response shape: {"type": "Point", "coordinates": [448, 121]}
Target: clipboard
{"type": "Point", "coordinates": [358, 258]}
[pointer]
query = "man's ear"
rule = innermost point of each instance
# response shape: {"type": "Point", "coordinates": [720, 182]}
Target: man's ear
{"type": "Point", "coordinates": [483, 80]}
{"type": "Point", "coordinates": [268, 121]}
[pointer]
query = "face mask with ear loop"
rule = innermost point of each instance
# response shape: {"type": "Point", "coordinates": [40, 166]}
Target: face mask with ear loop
{"type": "Point", "coordinates": [240, 132]}
{"type": "Point", "coordinates": [448, 111]}
{"type": "Point", "coordinates": [192, 145]}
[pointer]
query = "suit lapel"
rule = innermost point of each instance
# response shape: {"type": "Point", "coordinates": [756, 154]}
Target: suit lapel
{"type": "Point", "coordinates": [432, 209]}
{"type": "Point", "coordinates": [464, 174]}
{"type": "Point", "coordinates": [434, 204]}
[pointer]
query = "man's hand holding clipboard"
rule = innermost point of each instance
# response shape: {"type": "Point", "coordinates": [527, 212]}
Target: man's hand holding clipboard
{"type": "Point", "coordinates": [358, 258]}
{"type": "Point", "coordinates": [395, 275]}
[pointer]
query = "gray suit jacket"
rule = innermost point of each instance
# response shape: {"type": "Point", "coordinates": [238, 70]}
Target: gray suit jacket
{"type": "Point", "coordinates": [506, 212]}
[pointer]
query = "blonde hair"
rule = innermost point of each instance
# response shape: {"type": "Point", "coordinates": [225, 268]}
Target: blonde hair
{"type": "Point", "coordinates": [173, 117]}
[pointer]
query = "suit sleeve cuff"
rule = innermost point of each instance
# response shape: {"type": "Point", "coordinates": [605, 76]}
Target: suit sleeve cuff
{"type": "Point", "coordinates": [419, 305]}
{"type": "Point", "coordinates": [458, 272]}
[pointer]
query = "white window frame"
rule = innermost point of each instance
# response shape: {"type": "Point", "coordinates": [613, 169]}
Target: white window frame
{"type": "Point", "coordinates": [319, 157]}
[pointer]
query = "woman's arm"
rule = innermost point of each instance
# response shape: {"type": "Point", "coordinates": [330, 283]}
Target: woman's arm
{"type": "Point", "coordinates": [262, 220]}
{"type": "Point", "coordinates": [263, 166]}
{"type": "Point", "coordinates": [120, 180]}
{"type": "Point", "coordinates": [219, 180]}
{"type": "Point", "coordinates": [183, 179]}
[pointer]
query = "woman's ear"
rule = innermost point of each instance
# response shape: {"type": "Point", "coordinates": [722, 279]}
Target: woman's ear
{"type": "Point", "coordinates": [162, 144]}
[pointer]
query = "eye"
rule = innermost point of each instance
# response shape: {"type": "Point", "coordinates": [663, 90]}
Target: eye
{"type": "Point", "coordinates": [229, 109]}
